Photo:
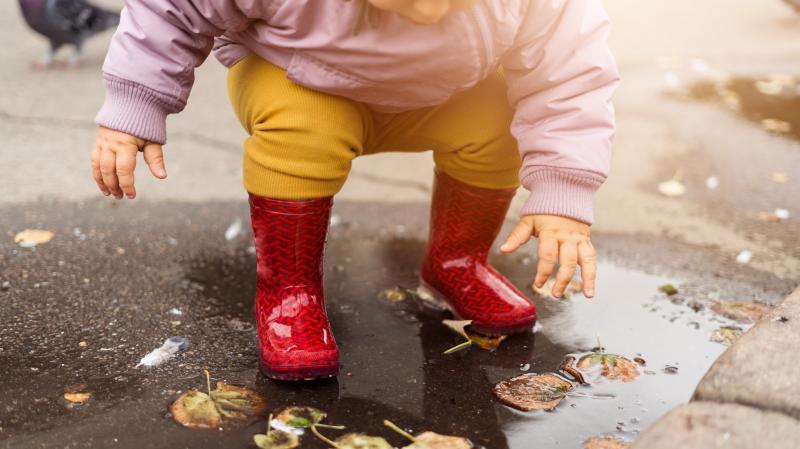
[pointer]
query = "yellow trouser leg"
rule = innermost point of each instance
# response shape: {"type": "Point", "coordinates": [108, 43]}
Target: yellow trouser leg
{"type": "Point", "coordinates": [302, 142]}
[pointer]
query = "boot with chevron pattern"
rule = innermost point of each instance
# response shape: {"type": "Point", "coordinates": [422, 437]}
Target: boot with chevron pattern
{"type": "Point", "coordinates": [465, 220]}
{"type": "Point", "coordinates": [295, 338]}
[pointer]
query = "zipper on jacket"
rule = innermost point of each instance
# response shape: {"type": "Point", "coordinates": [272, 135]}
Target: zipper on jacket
{"type": "Point", "coordinates": [483, 30]}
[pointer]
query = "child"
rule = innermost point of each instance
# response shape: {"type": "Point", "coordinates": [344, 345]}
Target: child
{"type": "Point", "coordinates": [317, 83]}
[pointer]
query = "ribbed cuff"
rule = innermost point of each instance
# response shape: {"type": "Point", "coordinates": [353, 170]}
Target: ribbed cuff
{"type": "Point", "coordinates": [136, 109]}
{"type": "Point", "coordinates": [566, 193]}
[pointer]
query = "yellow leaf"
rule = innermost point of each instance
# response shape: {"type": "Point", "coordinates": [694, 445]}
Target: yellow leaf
{"type": "Point", "coordinates": [32, 237]}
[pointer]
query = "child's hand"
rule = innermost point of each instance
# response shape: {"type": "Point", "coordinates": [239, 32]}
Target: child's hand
{"type": "Point", "coordinates": [114, 160]}
{"type": "Point", "coordinates": [561, 240]}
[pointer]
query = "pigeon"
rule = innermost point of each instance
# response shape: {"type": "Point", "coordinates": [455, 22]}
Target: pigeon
{"type": "Point", "coordinates": [66, 22]}
{"type": "Point", "coordinates": [794, 4]}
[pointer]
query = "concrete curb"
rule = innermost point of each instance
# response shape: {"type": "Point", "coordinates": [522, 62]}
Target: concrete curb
{"type": "Point", "coordinates": [749, 397]}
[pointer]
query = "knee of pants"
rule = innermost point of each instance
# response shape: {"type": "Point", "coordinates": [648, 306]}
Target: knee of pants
{"type": "Point", "coordinates": [302, 142]}
{"type": "Point", "coordinates": [493, 164]}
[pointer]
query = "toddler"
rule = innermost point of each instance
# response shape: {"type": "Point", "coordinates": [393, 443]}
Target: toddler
{"type": "Point", "coordinates": [502, 92]}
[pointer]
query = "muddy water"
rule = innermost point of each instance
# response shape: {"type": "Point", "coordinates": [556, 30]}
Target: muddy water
{"type": "Point", "coordinates": [772, 98]}
{"type": "Point", "coordinates": [393, 366]}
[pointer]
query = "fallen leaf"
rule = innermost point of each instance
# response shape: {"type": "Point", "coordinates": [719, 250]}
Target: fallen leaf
{"type": "Point", "coordinates": [395, 295]}
{"type": "Point", "coordinates": [672, 188]}
{"type": "Point", "coordinates": [668, 289]}
{"type": "Point", "coordinates": [606, 442]}
{"type": "Point", "coordinates": [32, 237]}
{"type": "Point", "coordinates": [533, 391]}
{"type": "Point", "coordinates": [568, 366]}
{"type": "Point", "coordinates": [361, 441]}
{"type": "Point", "coordinates": [610, 366]}
{"type": "Point", "coordinates": [430, 440]}
{"type": "Point", "coordinates": [779, 177]}
{"type": "Point", "coordinates": [726, 335]}
{"type": "Point", "coordinates": [226, 407]}
{"type": "Point", "coordinates": [463, 328]}
{"type": "Point", "coordinates": [77, 397]}
{"type": "Point", "coordinates": [276, 439]}
{"type": "Point", "coordinates": [776, 126]}
{"type": "Point", "coordinates": [301, 417]}
{"type": "Point", "coordinates": [574, 286]}
{"type": "Point", "coordinates": [741, 311]}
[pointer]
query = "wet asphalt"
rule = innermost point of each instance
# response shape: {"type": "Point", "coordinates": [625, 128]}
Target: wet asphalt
{"type": "Point", "coordinates": [85, 307]}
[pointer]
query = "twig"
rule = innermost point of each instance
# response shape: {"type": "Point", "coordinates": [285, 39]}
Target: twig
{"type": "Point", "coordinates": [394, 427]}
{"type": "Point", "coordinates": [458, 347]}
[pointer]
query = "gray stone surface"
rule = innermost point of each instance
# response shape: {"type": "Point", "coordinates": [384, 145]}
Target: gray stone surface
{"type": "Point", "coordinates": [705, 425]}
{"type": "Point", "coordinates": [757, 370]}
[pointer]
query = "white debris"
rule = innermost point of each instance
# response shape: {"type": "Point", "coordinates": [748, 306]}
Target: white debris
{"type": "Point", "coordinates": [175, 311]}
{"type": "Point", "coordinates": [335, 220]}
{"type": "Point", "coordinates": [167, 351]}
{"type": "Point", "coordinates": [783, 214]}
{"type": "Point", "coordinates": [745, 256]}
{"type": "Point", "coordinates": [712, 182]}
{"type": "Point", "coordinates": [172, 240]}
{"type": "Point", "coordinates": [234, 230]}
{"type": "Point", "coordinates": [525, 367]}
{"type": "Point", "coordinates": [251, 249]}
{"type": "Point", "coordinates": [671, 188]}
{"type": "Point", "coordinates": [537, 327]}
{"type": "Point", "coordinates": [699, 66]}
{"type": "Point", "coordinates": [672, 80]}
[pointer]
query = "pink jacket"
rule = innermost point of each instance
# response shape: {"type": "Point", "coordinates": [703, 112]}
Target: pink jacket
{"type": "Point", "coordinates": [559, 70]}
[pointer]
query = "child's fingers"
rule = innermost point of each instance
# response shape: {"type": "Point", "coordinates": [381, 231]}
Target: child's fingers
{"type": "Point", "coordinates": [548, 254]}
{"type": "Point", "coordinates": [518, 237]}
{"type": "Point", "coordinates": [126, 164]}
{"type": "Point", "coordinates": [98, 178]}
{"type": "Point", "coordinates": [588, 262]}
{"type": "Point", "coordinates": [108, 171]}
{"type": "Point", "coordinates": [154, 157]}
{"type": "Point", "coordinates": [568, 261]}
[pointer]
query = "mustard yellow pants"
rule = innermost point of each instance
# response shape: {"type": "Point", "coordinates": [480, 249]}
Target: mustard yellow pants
{"type": "Point", "coordinates": [302, 142]}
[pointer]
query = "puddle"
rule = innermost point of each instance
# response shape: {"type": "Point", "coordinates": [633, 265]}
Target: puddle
{"type": "Point", "coordinates": [392, 362]}
{"type": "Point", "coordinates": [772, 101]}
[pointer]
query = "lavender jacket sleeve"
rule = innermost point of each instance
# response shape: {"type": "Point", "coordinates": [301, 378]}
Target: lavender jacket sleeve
{"type": "Point", "coordinates": [561, 76]}
{"type": "Point", "coordinates": [149, 69]}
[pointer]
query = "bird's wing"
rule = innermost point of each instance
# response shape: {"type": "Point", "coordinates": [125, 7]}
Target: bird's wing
{"type": "Point", "coordinates": [73, 15]}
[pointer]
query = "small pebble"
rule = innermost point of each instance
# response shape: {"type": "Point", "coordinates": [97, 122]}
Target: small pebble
{"type": "Point", "coordinates": [669, 369]}
{"type": "Point", "coordinates": [82, 344]}
{"type": "Point", "coordinates": [5, 285]}
{"type": "Point", "coordinates": [525, 367]}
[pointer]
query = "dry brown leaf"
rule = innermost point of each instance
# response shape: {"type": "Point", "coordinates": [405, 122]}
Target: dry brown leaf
{"type": "Point", "coordinates": [78, 397]}
{"type": "Point", "coordinates": [430, 440]}
{"type": "Point", "coordinates": [226, 407]}
{"type": "Point", "coordinates": [610, 366]}
{"type": "Point", "coordinates": [32, 237]}
{"type": "Point", "coordinates": [463, 328]}
{"type": "Point", "coordinates": [726, 335]}
{"type": "Point", "coordinates": [741, 311]}
{"type": "Point", "coordinates": [606, 442]}
{"type": "Point", "coordinates": [276, 439]}
{"type": "Point", "coordinates": [361, 441]}
{"type": "Point", "coordinates": [533, 391]}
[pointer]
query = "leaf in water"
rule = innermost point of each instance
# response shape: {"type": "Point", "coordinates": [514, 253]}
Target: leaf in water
{"type": "Point", "coordinates": [361, 441]}
{"type": "Point", "coordinates": [776, 126]}
{"type": "Point", "coordinates": [726, 335]}
{"type": "Point", "coordinates": [430, 440]}
{"type": "Point", "coordinates": [610, 366]}
{"type": "Point", "coordinates": [568, 366]}
{"type": "Point", "coordinates": [32, 237]}
{"type": "Point", "coordinates": [533, 391]}
{"type": "Point", "coordinates": [276, 439]}
{"type": "Point", "coordinates": [668, 289]}
{"type": "Point", "coordinates": [606, 442]}
{"type": "Point", "coordinates": [396, 294]}
{"type": "Point", "coordinates": [574, 286]}
{"type": "Point", "coordinates": [741, 311]}
{"type": "Point", "coordinates": [226, 407]}
{"type": "Point", "coordinates": [779, 177]}
{"type": "Point", "coordinates": [301, 417]}
{"type": "Point", "coordinates": [463, 328]}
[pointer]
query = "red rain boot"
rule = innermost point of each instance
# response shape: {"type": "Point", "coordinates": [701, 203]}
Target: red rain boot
{"type": "Point", "coordinates": [295, 338]}
{"type": "Point", "coordinates": [465, 220]}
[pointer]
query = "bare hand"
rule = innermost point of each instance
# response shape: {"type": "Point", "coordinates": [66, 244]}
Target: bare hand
{"type": "Point", "coordinates": [114, 161]}
{"type": "Point", "coordinates": [561, 240]}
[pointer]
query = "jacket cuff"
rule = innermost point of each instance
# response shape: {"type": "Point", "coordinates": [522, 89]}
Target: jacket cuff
{"type": "Point", "coordinates": [136, 110]}
{"type": "Point", "coordinates": [566, 193]}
